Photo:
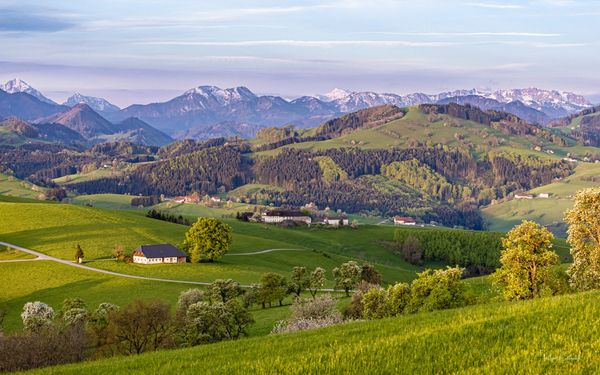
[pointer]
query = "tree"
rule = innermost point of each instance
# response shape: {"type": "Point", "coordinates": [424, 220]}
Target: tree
{"type": "Point", "coordinates": [370, 274]}
{"type": "Point", "coordinates": [208, 238]}
{"type": "Point", "coordinates": [273, 287]}
{"type": "Point", "coordinates": [237, 319]}
{"type": "Point", "coordinates": [300, 280]}
{"type": "Point", "coordinates": [99, 325]}
{"type": "Point", "coordinates": [140, 327]}
{"type": "Point", "coordinates": [224, 290]}
{"type": "Point", "coordinates": [78, 254]}
{"type": "Point", "coordinates": [186, 299]}
{"type": "Point", "coordinates": [36, 315]}
{"type": "Point", "coordinates": [412, 252]}
{"type": "Point", "coordinates": [437, 290]}
{"type": "Point", "coordinates": [316, 281]}
{"type": "Point", "coordinates": [374, 303]}
{"type": "Point", "coordinates": [204, 324]}
{"type": "Point", "coordinates": [584, 237]}
{"type": "Point", "coordinates": [527, 263]}
{"type": "Point", "coordinates": [119, 252]}
{"type": "Point", "coordinates": [347, 276]}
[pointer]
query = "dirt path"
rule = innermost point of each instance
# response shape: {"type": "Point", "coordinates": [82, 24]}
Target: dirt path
{"type": "Point", "coordinates": [42, 256]}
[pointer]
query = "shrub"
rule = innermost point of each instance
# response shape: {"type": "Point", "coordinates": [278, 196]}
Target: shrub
{"type": "Point", "coordinates": [438, 290]}
{"type": "Point", "coordinates": [46, 347]}
{"type": "Point", "coordinates": [186, 299]}
{"type": "Point", "coordinates": [310, 313]}
{"type": "Point", "coordinates": [36, 315]}
{"type": "Point", "coordinates": [374, 303]}
{"type": "Point", "coordinates": [224, 290]}
{"type": "Point", "coordinates": [370, 274]}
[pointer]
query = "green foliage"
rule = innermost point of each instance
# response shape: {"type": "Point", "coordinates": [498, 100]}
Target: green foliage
{"type": "Point", "coordinates": [437, 290]}
{"type": "Point", "coordinates": [78, 253]}
{"type": "Point", "coordinates": [299, 281]}
{"type": "Point", "coordinates": [317, 280]}
{"type": "Point", "coordinates": [205, 323]}
{"type": "Point", "coordinates": [273, 287]}
{"type": "Point", "coordinates": [479, 252]}
{"type": "Point", "coordinates": [331, 171]}
{"type": "Point", "coordinates": [584, 238]}
{"type": "Point", "coordinates": [186, 299]}
{"type": "Point", "coordinates": [370, 274]}
{"type": "Point", "coordinates": [208, 238]}
{"type": "Point", "coordinates": [347, 276]}
{"type": "Point", "coordinates": [374, 303]}
{"type": "Point", "coordinates": [527, 263]}
{"type": "Point", "coordinates": [421, 177]}
{"type": "Point", "coordinates": [412, 252]}
{"type": "Point", "coordinates": [224, 290]}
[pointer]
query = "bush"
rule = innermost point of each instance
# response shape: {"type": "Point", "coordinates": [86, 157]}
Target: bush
{"type": "Point", "coordinates": [46, 347]}
{"type": "Point", "coordinates": [310, 313]}
{"type": "Point", "coordinates": [36, 316]}
{"type": "Point", "coordinates": [186, 299]}
{"type": "Point", "coordinates": [438, 290]}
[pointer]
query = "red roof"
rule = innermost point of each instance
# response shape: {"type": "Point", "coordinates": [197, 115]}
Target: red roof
{"type": "Point", "coordinates": [404, 219]}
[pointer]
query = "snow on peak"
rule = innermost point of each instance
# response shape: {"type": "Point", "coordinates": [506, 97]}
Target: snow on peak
{"type": "Point", "coordinates": [16, 85]}
{"type": "Point", "coordinates": [97, 104]}
{"type": "Point", "coordinates": [336, 94]}
{"type": "Point", "coordinates": [223, 96]}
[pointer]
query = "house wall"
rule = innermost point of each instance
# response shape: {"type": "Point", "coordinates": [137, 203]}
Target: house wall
{"type": "Point", "coordinates": [280, 219]}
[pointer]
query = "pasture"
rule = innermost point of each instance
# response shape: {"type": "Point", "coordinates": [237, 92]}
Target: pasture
{"type": "Point", "coordinates": [539, 336]}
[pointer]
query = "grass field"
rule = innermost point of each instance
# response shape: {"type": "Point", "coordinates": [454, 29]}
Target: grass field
{"type": "Point", "coordinates": [51, 282]}
{"type": "Point", "coordinates": [11, 186]}
{"type": "Point", "coordinates": [534, 337]}
{"type": "Point", "coordinates": [502, 217]}
{"type": "Point", "coordinates": [7, 253]}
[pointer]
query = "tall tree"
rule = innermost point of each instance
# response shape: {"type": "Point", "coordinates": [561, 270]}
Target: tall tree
{"type": "Point", "coordinates": [584, 237]}
{"type": "Point", "coordinates": [300, 280]}
{"type": "Point", "coordinates": [273, 287]}
{"type": "Point", "coordinates": [208, 239]}
{"type": "Point", "coordinates": [347, 276]}
{"type": "Point", "coordinates": [316, 281]}
{"type": "Point", "coordinates": [78, 254]}
{"type": "Point", "coordinates": [527, 263]}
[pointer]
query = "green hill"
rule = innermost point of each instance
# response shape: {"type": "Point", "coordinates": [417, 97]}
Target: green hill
{"type": "Point", "coordinates": [542, 336]}
{"type": "Point", "coordinates": [11, 186]}
{"type": "Point", "coordinates": [503, 216]}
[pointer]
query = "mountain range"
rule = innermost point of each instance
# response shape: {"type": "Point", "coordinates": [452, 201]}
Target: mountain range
{"type": "Point", "coordinates": [209, 111]}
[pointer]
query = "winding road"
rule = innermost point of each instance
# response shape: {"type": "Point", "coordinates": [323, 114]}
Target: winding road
{"type": "Point", "coordinates": [42, 256]}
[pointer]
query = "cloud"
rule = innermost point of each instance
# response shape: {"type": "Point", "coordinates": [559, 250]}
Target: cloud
{"type": "Point", "coordinates": [470, 34]}
{"type": "Point", "coordinates": [301, 43]}
{"type": "Point", "coordinates": [21, 20]}
{"type": "Point", "coordinates": [495, 5]}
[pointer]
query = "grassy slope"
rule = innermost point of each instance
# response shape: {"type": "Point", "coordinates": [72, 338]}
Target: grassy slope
{"type": "Point", "coordinates": [543, 336]}
{"type": "Point", "coordinates": [14, 187]}
{"type": "Point", "coordinates": [503, 216]}
{"type": "Point", "coordinates": [416, 126]}
{"type": "Point", "coordinates": [51, 283]}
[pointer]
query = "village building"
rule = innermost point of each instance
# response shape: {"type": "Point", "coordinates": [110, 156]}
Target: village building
{"type": "Point", "coordinates": [279, 216]}
{"type": "Point", "coordinates": [523, 196]}
{"type": "Point", "coordinates": [403, 220]}
{"type": "Point", "coordinates": [543, 195]}
{"type": "Point", "coordinates": [157, 254]}
{"type": "Point", "coordinates": [215, 199]}
{"type": "Point", "coordinates": [335, 221]}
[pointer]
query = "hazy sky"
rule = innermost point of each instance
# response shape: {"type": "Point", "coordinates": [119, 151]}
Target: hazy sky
{"type": "Point", "coordinates": [141, 51]}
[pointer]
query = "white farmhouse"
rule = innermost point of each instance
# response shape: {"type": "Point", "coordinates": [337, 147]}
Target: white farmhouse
{"type": "Point", "coordinates": [403, 220]}
{"type": "Point", "coordinates": [279, 216]}
{"type": "Point", "coordinates": [157, 254]}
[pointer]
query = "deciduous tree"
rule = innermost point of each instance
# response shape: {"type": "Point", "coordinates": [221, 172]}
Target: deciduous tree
{"type": "Point", "coordinates": [584, 237]}
{"type": "Point", "coordinates": [347, 276]}
{"type": "Point", "coordinates": [527, 263]}
{"type": "Point", "coordinates": [208, 239]}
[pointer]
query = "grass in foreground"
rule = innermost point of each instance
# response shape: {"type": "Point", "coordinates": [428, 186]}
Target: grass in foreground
{"type": "Point", "coordinates": [550, 335]}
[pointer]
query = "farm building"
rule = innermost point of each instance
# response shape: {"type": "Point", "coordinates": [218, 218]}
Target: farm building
{"type": "Point", "coordinates": [402, 220]}
{"type": "Point", "coordinates": [523, 196]}
{"type": "Point", "coordinates": [335, 220]}
{"type": "Point", "coordinates": [279, 216]}
{"type": "Point", "coordinates": [544, 195]}
{"type": "Point", "coordinates": [156, 254]}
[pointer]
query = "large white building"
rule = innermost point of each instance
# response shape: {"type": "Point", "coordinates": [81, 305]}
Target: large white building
{"type": "Point", "coordinates": [279, 216]}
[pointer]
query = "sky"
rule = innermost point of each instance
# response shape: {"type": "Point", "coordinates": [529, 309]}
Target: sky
{"type": "Point", "coordinates": [141, 51]}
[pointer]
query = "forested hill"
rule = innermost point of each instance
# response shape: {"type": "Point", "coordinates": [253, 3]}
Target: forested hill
{"type": "Point", "coordinates": [382, 161]}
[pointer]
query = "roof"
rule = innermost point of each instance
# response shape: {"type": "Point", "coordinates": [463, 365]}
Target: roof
{"type": "Point", "coordinates": [285, 213]}
{"type": "Point", "coordinates": [160, 251]}
{"type": "Point", "coordinates": [405, 219]}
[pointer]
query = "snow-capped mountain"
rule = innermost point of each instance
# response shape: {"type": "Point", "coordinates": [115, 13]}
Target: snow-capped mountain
{"type": "Point", "coordinates": [334, 94]}
{"type": "Point", "coordinates": [97, 104]}
{"type": "Point", "coordinates": [17, 85]}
